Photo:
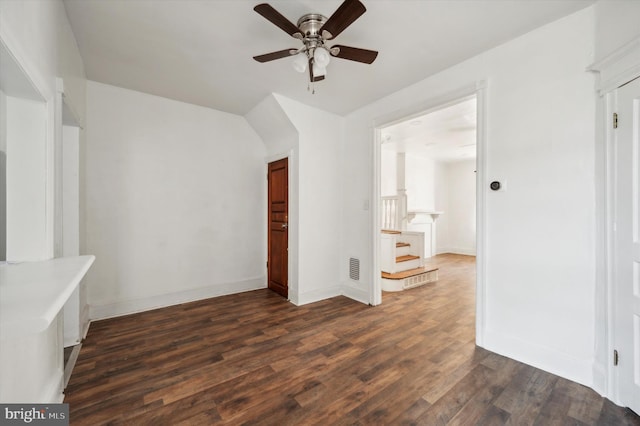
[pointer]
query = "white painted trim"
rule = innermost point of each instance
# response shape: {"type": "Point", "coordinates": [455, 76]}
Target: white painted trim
{"type": "Point", "coordinates": [71, 363]}
{"type": "Point", "coordinates": [53, 137]}
{"type": "Point", "coordinates": [276, 157]}
{"type": "Point", "coordinates": [55, 174]}
{"type": "Point", "coordinates": [544, 358]}
{"type": "Point", "coordinates": [357, 294]}
{"type": "Point", "coordinates": [611, 382]}
{"type": "Point", "coordinates": [85, 322]}
{"type": "Point", "coordinates": [318, 295]}
{"type": "Point", "coordinates": [375, 289]}
{"type": "Point", "coordinates": [479, 90]}
{"type": "Point", "coordinates": [431, 105]}
{"type": "Point", "coordinates": [28, 69]}
{"type": "Point", "coordinates": [618, 68]}
{"type": "Point", "coordinates": [481, 208]}
{"type": "Point", "coordinates": [98, 312]}
{"type": "Point", "coordinates": [53, 391]}
{"type": "Point", "coordinates": [458, 250]}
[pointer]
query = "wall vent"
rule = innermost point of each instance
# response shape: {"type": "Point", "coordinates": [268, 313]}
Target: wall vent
{"type": "Point", "coordinates": [354, 269]}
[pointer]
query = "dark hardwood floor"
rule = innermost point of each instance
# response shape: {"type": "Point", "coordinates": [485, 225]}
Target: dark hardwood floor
{"type": "Point", "coordinates": [254, 358]}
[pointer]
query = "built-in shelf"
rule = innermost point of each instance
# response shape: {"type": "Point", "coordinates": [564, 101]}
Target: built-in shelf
{"type": "Point", "coordinates": [33, 293]}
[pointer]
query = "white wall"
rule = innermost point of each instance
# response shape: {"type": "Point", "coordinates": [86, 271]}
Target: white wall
{"type": "Point", "coordinates": [175, 202]}
{"type": "Point", "coordinates": [320, 134]}
{"type": "Point", "coordinates": [388, 167]}
{"type": "Point", "coordinates": [616, 25]}
{"type": "Point", "coordinates": [540, 233]}
{"type": "Point", "coordinates": [460, 211]}
{"type": "Point", "coordinates": [448, 187]}
{"type": "Point", "coordinates": [420, 179]}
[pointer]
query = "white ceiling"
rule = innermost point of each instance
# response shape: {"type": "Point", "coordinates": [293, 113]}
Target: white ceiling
{"type": "Point", "coordinates": [200, 51]}
{"type": "Point", "coordinates": [448, 134]}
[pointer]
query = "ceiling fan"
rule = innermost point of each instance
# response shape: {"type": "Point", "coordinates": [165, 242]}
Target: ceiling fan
{"type": "Point", "coordinates": [314, 30]}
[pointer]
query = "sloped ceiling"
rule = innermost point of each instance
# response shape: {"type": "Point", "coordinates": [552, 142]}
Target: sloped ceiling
{"type": "Point", "coordinates": [200, 51]}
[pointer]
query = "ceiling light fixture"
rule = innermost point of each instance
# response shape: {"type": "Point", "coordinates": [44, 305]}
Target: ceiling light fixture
{"type": "Point", "coordinates": [300, 62]}
{"type": "Point", "coordinates": [314, 30]}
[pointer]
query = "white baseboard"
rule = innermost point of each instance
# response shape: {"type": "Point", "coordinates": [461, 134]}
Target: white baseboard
{"type": "Point", "coordinates": [125, 307]}
{"type": "Point", "coordinates": [317, 295]}
{"type": "Point", "coordinates": [457, 250]}
{"type": "Point", "coordinates": [357, 294]}
{"type": "Point", "coordinates": [547, 359]}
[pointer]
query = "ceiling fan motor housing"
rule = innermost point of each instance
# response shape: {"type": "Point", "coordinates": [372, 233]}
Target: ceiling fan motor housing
{"type": "Point", "coordinates": [310, 25]}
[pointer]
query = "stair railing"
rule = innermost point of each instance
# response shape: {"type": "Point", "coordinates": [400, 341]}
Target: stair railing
{"type": "Point", "coordinates": [394, 211]}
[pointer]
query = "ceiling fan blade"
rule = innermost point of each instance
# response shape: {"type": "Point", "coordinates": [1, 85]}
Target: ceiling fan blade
{"type": "Point", "coordinates": [345, 15]}
{"type": "Point", "coordinates": [277, 19]}
{"type": "Point", "coordinates": [318, 78]}
{"type": "Point", "coordinates": [354, 54]}
{"type": "Point", "coordinates": [274, 55]}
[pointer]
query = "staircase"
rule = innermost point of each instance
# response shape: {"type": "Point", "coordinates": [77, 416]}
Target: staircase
{"type": "Point", "coordinates": [401, 260]}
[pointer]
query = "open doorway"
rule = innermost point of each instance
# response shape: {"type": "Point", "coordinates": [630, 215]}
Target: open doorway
{"type": "Point", "coordinates": [428, 175]}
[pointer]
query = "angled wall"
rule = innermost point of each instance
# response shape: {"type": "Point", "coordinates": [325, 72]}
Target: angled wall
{"type": "Point", "coordinates": [175, 202]}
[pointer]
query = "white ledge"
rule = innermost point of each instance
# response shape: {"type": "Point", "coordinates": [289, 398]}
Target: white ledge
{"type": "Point", "coordinates": [415, 213]}
{"type": "Point", "coordinates": [33, 293]}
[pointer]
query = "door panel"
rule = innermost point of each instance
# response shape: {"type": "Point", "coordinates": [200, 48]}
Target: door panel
{"type": "Point", "coordinates": [627, 244]}
{"type": "Point", "coordinates": [278, 216]}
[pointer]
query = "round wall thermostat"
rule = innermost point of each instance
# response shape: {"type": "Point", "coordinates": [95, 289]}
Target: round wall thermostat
{"type": "Point", "coordinates": [495, 185]}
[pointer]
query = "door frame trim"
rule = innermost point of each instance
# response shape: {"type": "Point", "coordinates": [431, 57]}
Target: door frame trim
{"type": "Point", "coordinates": [479, 90]}
{"type": "Point", "coordinates": [613, 71]}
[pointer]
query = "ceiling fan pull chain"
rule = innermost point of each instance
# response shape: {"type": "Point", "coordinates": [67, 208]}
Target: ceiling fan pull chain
{"type": "Point", "coordinates": [311, 87]}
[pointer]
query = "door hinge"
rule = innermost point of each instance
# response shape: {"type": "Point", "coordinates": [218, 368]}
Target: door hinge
{"type": "Point", "coordinates": [615, 357]}
{"type": "Point", "coordinates": [267, 264]}
{"type": "Point", "coordinates": [615, 120]}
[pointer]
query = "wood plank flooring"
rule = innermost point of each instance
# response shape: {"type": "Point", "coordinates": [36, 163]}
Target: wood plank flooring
{"type": "Point", "coordinates": [253, 358]}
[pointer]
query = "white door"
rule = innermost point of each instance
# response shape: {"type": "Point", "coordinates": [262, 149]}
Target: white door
{"type": "Point", "coordinates": [626, 248]}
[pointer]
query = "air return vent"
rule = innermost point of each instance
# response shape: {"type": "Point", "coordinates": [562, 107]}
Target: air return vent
{"type": "Point", "coordinates": [354, 269]}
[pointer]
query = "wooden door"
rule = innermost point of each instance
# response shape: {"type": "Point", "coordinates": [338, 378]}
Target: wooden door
{"type": "Point", "coordinates": [627, 245]}
{"type": "Point", "coordinates": [278, 225]}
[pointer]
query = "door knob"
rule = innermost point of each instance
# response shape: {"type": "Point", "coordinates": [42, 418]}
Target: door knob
{"type": "Point", "coordinates": [285, 225]}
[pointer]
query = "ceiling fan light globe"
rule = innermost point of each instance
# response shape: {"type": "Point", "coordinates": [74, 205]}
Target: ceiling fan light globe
{"type": "Point", "coordinates": [300, 62]}
{"type": "Point", "coordinates": [321, 57]}
{"type": "Point", "coordinates": [319, 71]}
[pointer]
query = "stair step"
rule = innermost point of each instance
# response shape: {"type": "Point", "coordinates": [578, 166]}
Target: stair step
{"type": "Point", "coordinates": [403, 245]}
{"type": "Point", "coordinates": [409, 279]}
{"type": "Point", "coordinates": [409, 273]}
{"type": "Point", "coordinates": [390, 231]}
{"type": "Point", "coordinates": [406, 258]}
